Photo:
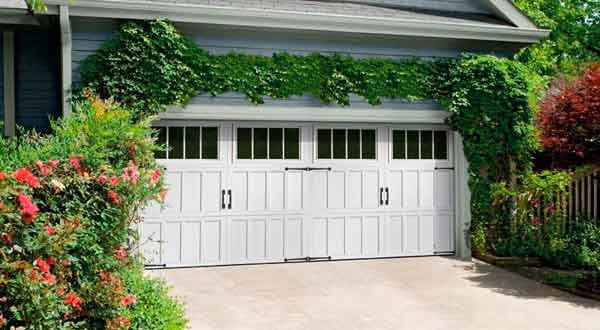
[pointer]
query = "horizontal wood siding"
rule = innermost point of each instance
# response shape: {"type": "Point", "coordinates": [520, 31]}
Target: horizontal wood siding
{"type": "Point", "coordinates": [89, 35]}
{"type": "Point", "coordinates": [37, 78]}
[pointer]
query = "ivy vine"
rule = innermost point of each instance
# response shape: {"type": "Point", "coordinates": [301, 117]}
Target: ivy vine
{"type": "Point", "coordinates": [149, 66]}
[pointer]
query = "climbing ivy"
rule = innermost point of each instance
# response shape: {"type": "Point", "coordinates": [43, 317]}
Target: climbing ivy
{"type": "Point", "coordinates": [149, 66]}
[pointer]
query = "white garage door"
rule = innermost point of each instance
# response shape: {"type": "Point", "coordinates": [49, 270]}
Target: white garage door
{"type": "Point", "coordinates": [274, 192]}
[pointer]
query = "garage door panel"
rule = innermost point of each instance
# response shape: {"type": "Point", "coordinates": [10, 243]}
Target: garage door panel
{"type": "Point", "coordinates": [318, 191]}
{"type": "Point", "coordinates": [336, 237]}
{"type": "Point", "coordinates": [191, 192]}
{"type": "Point", "coordinates": [426, 191]}
{"type": "Point", "coordinates": [395, 235]}
{"type": "Point", "coordinates": [173, 197]}
{"type": "Point", "coordinates": [355, 239]}
{"type": "Point", "coordinates": [276, 191]}
{"type": "Point", "coordinates": [444, 233]}
{"type": "Point", "coordinates": [443, 189]}
{"type": "Point", "coordinates": [294, 190]}
{"type": "Point", "coordinates": [211, 191]}
{"type": "Point", "coordinates": [239, 186]}
{"type": "Point", "coordinates": [411, 233]}
{"type": "Point", "coordinates": [257, 239]}
{"type": "Point", "coordinates": [371, 180]}
{"type": "Point", "coordinates": [371, 236]}
{"type": "Point", "coordinates": [411, 190]}
{"type": "Point", "coordinates": [319, 237]}
{"type": "Point", "coordinates": [190, 241]}
{"type": "Point", "coordinates": [238, 233]}
{"type": "Point", "coordinates": [150, 237]}
{"type": "Point", "coordinates": [172, 243]}
{"type": "Point", "coordinates": [257, 191]}
{"type": "Point", "coordinates": [396, 186]}
{"type": "Point", "coordinates": [294, 237]}
{"type": "Point", "coordinates": [211, 240]}
{"type": "Point", "coordinates": [426, 234]}
{"type": "Point", "coordinates": [354, 199]}
{"type": "Point", "coordinates": [336, 194]}
{"type": "Point", "coordinates": [275, 239]}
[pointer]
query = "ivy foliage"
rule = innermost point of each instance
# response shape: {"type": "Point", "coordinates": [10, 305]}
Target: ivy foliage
{"type": "Point", "coordinates": [150, 66]}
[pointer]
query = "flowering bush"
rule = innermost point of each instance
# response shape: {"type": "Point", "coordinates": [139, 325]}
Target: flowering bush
{"type": "Point", "coordinates": [569, 120]}
{"type": "Point", "coordinates": [67, 205]}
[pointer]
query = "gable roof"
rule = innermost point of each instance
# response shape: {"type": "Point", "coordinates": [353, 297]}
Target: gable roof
{"type": "Point", "coordinates": [323, 15]}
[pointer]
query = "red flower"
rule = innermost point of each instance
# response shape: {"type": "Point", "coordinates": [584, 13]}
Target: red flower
{"type": "Point", "coordinates": [45, 171]}
{"type": "Point", "coordinates": [155, 176]}
{"type": "Point", "coordinates": [535, 202]}
{"type": "Point", "coordinates": [74, 160]}
{"type": "Point", "coordinates": [114, 180]}
{"type": "Point", "coordinates": [53, 163]}
{"type": "Point", "coordinates": [536, 221]}
{"type": "Point", "coordinates": [113, 196]}
{"type": "Point", "coordinates": [1, 206]}
{"type": "Point", "coordinates": [42, 265]}
{"type": "Point", "coordinates": [51, 261]}
{"type": "Point", "coordinates": [50, 230]}
{"type": "Point", "coordinates": [128, 300]}
{"type": "Point", "coordinates": [60, 291]}
{"type": "Point", "coordinates": [121, 253]}
{"type": "Point", "coordinates": [50, 279]}
{"type": "Point", "coordinates": [24, 176]}
{"type": "Point", "coordinates": [2, 176]}
{"type": "Point", "coordinates": [28, 210]}
{"type": "Point", "coordinates": [102, 179]}
{"type": "Point", "coordinates": [73, 300]}
{"type": "Point", "coordinates": [7, 238]}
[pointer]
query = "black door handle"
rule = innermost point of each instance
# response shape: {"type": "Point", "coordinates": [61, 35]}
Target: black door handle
{"type": "Point", "coordinates": [380, 196]}
{"type": "Point", "coordinates": [387, 196]}
{"type": "Point", "coordinates": [223, 199]}
{"type": "Point", "coordinates": [229, 193]}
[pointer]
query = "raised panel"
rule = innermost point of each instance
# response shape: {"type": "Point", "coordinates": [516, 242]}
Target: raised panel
{"type": "Point", "coordinates": [151, 242]}
{"type": "Point", "coordinates": [191, 192]}
{"type": "Point", "coordinates": [336, 191]}
{"type": "Point", "coordinates": [294, 191]}
{"type": "Point", "coordinates": [336, 235]}
{"type": "Point", "coordinates": [239, 187]}
{"type": "Point", "coordinates": [411, 233]}
{"type": "Point", "coordinates": [411, 190]}
{"type": "Point", "coordinates": [173, 198]}
{"type": "Point", "coordinates": [172, 243]}
{"type": "Point", "coordinates": [257, 239]}
{"type": "Point", "coordinates": [211, 241]}
{"type": "Point", "coordinates": [238, 238]}
{"type": "Point", "coordinates": [354, 242]}
{"type": "Point", "coordinates": [276, 190]}
{"type": "Point", "coordinates": [426, 190]}
{"type": "Point", "coordinates": [371, 189]}
{"type": "Point", "coordinates": [275, 239]}
{"type": "Point", "coordinates": [319, 237]}
{"type": "Point", "coordinates": [395, 235]}
{"type": "Point", "coordinates": [443, 233]}
{"type": "Point", "coordinates": [371, 236]}
{"type": "Point", "coordinates": [190, 241]}
{"type": "Point", "coordinates": [426, 233]}
{"type": "Point", "coordinates": [211, 191]}
{"type": "Point", "coordinates": [395, 183]}
{"type": "Point", "coordinates": [354, 192]}
{"type": "Point", "coordinates": [257, 191]}
{"type": "Point", "coordinates": [318, 191]}
{"type": "Point", "coordinates": [293, 237]}
{"type": "Point", "coordinates": [443, 190]}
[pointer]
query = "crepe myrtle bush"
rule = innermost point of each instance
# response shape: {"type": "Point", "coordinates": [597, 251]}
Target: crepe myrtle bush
{"type": "Point", "coordinates": [68, 202]}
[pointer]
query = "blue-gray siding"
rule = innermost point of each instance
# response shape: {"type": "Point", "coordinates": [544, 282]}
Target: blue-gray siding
{"type": "Point", "coordinates": [37, 78]}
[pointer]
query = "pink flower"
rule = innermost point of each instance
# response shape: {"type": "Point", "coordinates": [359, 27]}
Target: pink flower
{"type": "Point", "coordinates": [45, 171]}
{"type": "Point", "coordinates": [114, 180]}
{"type": "Point", "coordinates": [155, 176]}
{"type": "Point", "coordinates": [130, 173]}
{"type": "Point", "coordinates": [121, 253]}
{"type": "Point", "coordinates": [28, 210]}
{"type": "Point", "coordinates": [42, 265]}
{"type": "Point", "coordinates": [53, 163]}
{"type": "Point", "coordinates": [550, 208]}
{"type": "Point", "coordinates": [536, 221]}
{"type": "Point", "coordinates": [102, 179]}
{"type": "Point", "coordinates": [535, 202]}
{"type": "Point", "coordinates": [50, 230]}
{"type": "Point", "coordinates": [128, 300]}
{"type": "Point", "coordinates": [24, 176]}
{"type": "Point", "coordinates": [73, 300]}
{"type": "Point", "coordinates": [113, 196]}
{"type": "Point", "coordinates": [74, 160]}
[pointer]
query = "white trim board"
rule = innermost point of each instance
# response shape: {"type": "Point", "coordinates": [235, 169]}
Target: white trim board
{"type": "Point", "coordinates": [508, 11]}
{"type": "Point", "coordinates": [8, 52]}
{"type": "Point", "coordinates": [278, 19]}
{"type": "Point", "coordinates": [305, 114]}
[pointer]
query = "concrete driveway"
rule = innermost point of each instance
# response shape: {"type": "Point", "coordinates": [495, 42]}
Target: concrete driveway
{"type": "Point", "coordinates": [412, 293]}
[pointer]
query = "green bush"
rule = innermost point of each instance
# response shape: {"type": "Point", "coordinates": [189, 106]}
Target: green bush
{"type": "Point", "coordinates": [68, 202]}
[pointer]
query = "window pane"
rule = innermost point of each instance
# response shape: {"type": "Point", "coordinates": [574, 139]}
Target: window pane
{"type": "Point", "coordinates": [162, 141]}
{"type": "Point", "coordinates": [441, 145]}
{"type": "Point", "coordinates": [260, 143]}
{"type": "Point", "coordinates": [339, 144]}
{"type": "Point", "coordinates": [175, 142]}
{"type": "Point", "coordinates": [412, 144]}
{"type": "Point", "coordinates": [324, 144]}
{"type": "Point", "coordinates": [353, 144]}
{"type": "Point", "coordinates": [244, 144]}
{"type": "Point", "coordinates": [210, 143]}
{"type": "Point", "coordinates": [426, 144]}
{"type": "Point", "coordinates": [399, 144]}
{"type": "Point", "coordinates": [275, 143]}
{"type": "Point", "coordinates": [192, 142]}
{"type": "Point", "coordinates": [292, 143]}
{"type": "Point", "coordinates": [368, 144]}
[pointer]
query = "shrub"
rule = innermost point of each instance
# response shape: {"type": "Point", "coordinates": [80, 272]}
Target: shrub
{"type": "Point", "coordinates": [569, 120]}
{"type": "Point", "coordinates": [67, 203]}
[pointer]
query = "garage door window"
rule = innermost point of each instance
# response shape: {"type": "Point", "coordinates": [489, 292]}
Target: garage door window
{"type": "Point", "coordinates": [188, 142]}
{"type": "Point", "coordinates": [423, 144]}
{"type": "Point", "coordinates": [346, 144]}
{"type": "Point", "coordinates": [268, 143]}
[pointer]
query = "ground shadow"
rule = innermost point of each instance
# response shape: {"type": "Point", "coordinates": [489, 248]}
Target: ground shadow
{"type": "Point", "coordinates": [510, 283]}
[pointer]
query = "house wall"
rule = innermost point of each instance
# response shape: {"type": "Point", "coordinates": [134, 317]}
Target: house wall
{"type": "Point", "coordinates": [1, 82]}
{"type": "Point", "coordinates": [37, 78]}
{"type": "Point", "coordinates": [89, 34]}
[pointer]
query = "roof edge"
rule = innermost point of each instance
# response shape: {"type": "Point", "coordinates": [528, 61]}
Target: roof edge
{"type": "Point", "coordinates": [507, 10]}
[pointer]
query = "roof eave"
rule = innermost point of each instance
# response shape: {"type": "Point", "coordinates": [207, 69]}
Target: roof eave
{"type": "Point", "coordinates": [278, 19]}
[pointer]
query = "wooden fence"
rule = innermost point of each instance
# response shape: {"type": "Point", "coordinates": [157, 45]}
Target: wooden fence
{"type": "Point", "coordinates": [584, 199]}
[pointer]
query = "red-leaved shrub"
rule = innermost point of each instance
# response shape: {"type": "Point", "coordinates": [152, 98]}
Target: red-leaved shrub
{"type": "Point", "coordinates": [569, 120]}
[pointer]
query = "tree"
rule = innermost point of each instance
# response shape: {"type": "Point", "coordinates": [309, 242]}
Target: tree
{"type": "Point", "coordinates": [569, 120]}
{"type": "Point", "coordinates": [574, 40]}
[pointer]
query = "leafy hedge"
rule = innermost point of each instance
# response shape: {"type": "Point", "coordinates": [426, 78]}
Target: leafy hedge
{"type": "Point", "coordinates": [67, 204]}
